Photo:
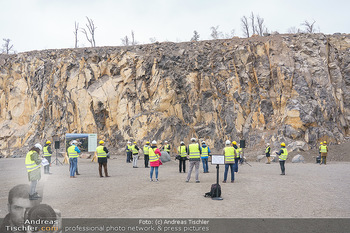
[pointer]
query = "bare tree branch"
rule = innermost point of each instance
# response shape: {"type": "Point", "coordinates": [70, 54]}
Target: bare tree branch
{"type": "Point", "coordinates": [245, 26]}
{"type": "Point", "coordinates": [215, 34]}
{"type": "Point", "coordinates": [230, 35]}
{"type": "Point", "coordinates": [260, 28]}
{"type": "Point", "coordinates": [6, 47]}
{"type": "Point", "coordinates": [125, 41]}
{"type": "Point", "coordinates": [309, 26]}
{"type": "Point", "coordinates": [253, 26]}
{"type": "Point", "coordinates": [91, 27]}
{"type": "Point", "coordinates": [195, 36]}
{"type": "Point", "coordinates": [133, 41]}
{"type": "Point", "coordinates": [76, 34]}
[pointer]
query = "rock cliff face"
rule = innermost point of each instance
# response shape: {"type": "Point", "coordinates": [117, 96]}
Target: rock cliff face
{"type": "Point", "coordinates": [263, 89]}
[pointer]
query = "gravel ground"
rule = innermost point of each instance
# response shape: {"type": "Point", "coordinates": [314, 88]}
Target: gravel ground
{"type": "Point", "coordinates": [307, 191]}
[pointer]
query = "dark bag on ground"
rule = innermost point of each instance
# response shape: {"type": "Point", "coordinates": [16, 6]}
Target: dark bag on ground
{"type": "Point", "coordinates": [212, 192]}
{"type": "Point", "coordinates": [318, 159]}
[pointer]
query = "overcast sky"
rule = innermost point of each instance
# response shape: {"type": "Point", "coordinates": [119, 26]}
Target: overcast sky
{"type": "Point", "coordinates": [49, 24]}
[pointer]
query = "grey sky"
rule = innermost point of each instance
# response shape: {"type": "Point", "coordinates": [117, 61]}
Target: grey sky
{"type": "Point", "coordinates": [49, 24]}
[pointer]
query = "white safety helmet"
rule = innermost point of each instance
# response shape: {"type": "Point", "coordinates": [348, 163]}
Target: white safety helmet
{"type": "Point", "coordinates": [203, 142]}
{"type": "Point", "coordinates": [228, 142]}
{"type": "Point", "coordinates": [74, 142]}
{"type": "Point", "coordinates": [182, 143]}
{"type": "Point", "coordinates": [38, 146]}
{"type": "Point", "coordinates": [154, 142]}
{"type": "Point", "coordinates": [166, 141]}
{"type": "Point", "coordinates": [129, 142]}
{"type": "Point", "coordinates": [268, 144]}
{"type": "Point", "coordinates": [193, 139]}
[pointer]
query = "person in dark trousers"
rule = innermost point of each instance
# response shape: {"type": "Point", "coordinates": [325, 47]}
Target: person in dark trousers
{"type": "Point", "coordinates": [182, 150]}
{"type": "Point", "coordinates": [268, 152]}
{"type": "Point", "coordinates": [128, 150]}
{"type": "Point", "coordinates": [229, 154]}
{"type": "Point", "coordinates": [235, 166]}
{"type": "Point", "coordinates": [146, 154]}
{"type": "Point", "coordinates": [102, 154]}
{"type": "Point", "coordinates": [324, 152]}
{"type": "Point", "coordinates": [47, 155]}
{"type": "Point", "coordinates": [283, 154]}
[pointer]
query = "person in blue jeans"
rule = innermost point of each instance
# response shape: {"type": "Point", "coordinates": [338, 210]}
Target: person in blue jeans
{"type": "Point", "coordinates": [204, 156]}
{"type": "Point", "coordinates": [73, 153]}
{"type": "Point", "coordinates": [230, 154]}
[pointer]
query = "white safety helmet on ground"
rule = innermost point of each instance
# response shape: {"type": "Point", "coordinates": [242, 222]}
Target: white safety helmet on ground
{"type": "Point", "coordinates": [38, 146]}
{"type": "Point", "coordinates": [228, 142]}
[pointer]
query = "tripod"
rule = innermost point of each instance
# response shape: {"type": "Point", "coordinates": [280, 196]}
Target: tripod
{"type": "Point", "coordinates": [57, 161]}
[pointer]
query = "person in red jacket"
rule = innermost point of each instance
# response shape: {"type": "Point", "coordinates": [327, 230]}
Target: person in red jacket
{"type": "Point", "coordinates": [154, 159]}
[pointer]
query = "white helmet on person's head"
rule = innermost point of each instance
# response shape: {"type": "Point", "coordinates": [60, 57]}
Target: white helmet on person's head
{"type": "Point", "coordinates": [154, 142]}
{"type": "Point", "coordinates": [38, 146]}
{"type": "Point", "coordinates": [74, 142]}
{"type": "Point", "coordinates": [227, 142]}
{"type": "Point", "coordinates": [193, 139]}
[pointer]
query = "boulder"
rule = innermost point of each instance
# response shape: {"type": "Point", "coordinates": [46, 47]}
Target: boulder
{"type": "Point", "coordinates": [298, 159]}
{"type": "Point", "coordinates": [165, 157]}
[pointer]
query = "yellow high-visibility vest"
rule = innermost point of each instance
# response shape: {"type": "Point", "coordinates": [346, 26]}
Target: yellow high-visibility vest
{"type": "Point", "coordinates": [267, 150]}
{"type": "Point", "coordinates": [71, 152]}
{"type": "Point", "coordinates": [323, 149]}
{"type": "Point", "coordinates": [30, 164]}
{"type": "Point", "coordinates": [167, 148]}
{"type": "Point", "coordinates": [238, 152]}
{"type": "Point", "coordinates": [100, 152]}
{"type": "Point", "coordinates": [146, 150]}
{"type": "Point", "coordinates": [45, 150]}
{"type": "Point", "coordinates": [194, 152]}
{"type": "Point", "coordinates": [205, 152]}
{"type": "Point", "coordinates": [182, 151]}
{"type": "Point", "coordinates": [153, 156]}
{"type": "Point", "coordinates": [229, 154]}
{"type": "Point", "coordinates": [134, 151]}
{"type": "Point", "coordinates": [283, 156]}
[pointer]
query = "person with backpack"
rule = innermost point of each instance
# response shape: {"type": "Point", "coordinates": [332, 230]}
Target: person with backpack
{"type": "Point", "coordinates": [154, 159]}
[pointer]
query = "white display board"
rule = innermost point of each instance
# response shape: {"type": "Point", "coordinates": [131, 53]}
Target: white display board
{"type": "Point", "coordinates": [218, 159]}
{"type": "Point", "coordinates": [92, 139]}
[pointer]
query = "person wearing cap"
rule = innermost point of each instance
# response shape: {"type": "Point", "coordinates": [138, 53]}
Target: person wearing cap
{"type": "Point", "coordinates": [135, 154]}
{"type": "Point", "coordinates": [268, 152]}
{"type": "Point", "coordinates": [237, 153]}
{"type": "Point", "coordinates": [102, 153]}
{"type": "Point", "coordinates": [229, 154]}
{"type": "Point", "coordinates": [154, 159]}
{"type": "Point", "coordinates": [204, 156]}
{"type": "Point", "coordinates": [73, 152]}
{"type": "Point", "coordinates": [324, 152]}
{"type": "Point", "coordinates": [128, 150]}
{"type": "Point", "coordinates": [33, 165]}
{"type": "Point", "coordinates": [146, 153]}
{"type": "Point", "coordinates": [166, 147]}
{"type": "Point", "coordinates": [283, 154]}
{"type": "Point", "coordinates": [47, 155]}
{"type": "Point", "coordinates": [182, 150]}
{"type": "Point", "coordinates": [194, 153]}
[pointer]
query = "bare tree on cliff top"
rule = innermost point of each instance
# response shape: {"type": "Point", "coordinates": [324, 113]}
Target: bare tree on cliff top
{"type": "Point", "coordinates": [215, 34]}
{"type": "Point", "coordinates": [195, 36]}
{"type": "Point", "coordinates": [310, 28]}
{"type": "Point", "coordinates": [91, 27]}
{"type": "Point", "coordinates": [125, 41]}
{"type": "Point", "coordinates": [133, 41]}
{"type": "Point", "coordinates": [76, 34]}
{"type": "Point", "coordinates": [245, 26]}
{"type": "Point", "coordinates": [7, 47]}
{"type": "Point", "coordinates": [260, 28]}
